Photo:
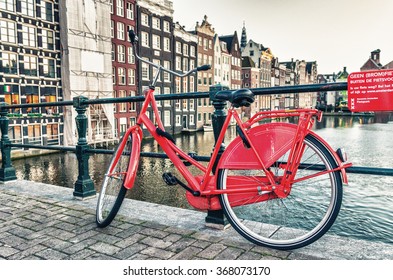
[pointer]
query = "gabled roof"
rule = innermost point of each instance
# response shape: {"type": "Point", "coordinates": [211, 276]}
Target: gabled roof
{"type": "Point", "coordinates": [247, 62]}
{"type": "Point", "coordinates": [389, 65]}
{"type": "Point", "coordinates": [229, 40]}
{"type": "Point", "coordinates": [370, 64]}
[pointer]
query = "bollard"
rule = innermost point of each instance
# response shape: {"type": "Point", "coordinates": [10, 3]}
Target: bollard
{"type": "Point", "coordinates": [84, 186]}
{"type": "Point", "coordinates": [216, 218]}
{"type": "Point", "coordinates": [7, 171]}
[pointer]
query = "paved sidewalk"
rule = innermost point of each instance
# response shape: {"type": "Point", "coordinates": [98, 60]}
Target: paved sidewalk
{"type": "Point", "coordinates": [39, 221]}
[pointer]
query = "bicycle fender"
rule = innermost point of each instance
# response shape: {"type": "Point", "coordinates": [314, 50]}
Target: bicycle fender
{"type": "Point", "coordinates": [134, 158]}
{"type": "Point", "coordinates": [336, 157]}
{"type": "Point", "coordinates": [271, 141]}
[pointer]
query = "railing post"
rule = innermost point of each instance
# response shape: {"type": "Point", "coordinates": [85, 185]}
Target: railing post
{"type": "Point", "coordinates": [216, 218]}
{"type": "Point", "coordinates": [7, 171]}
{"type": "Point", "coordinates": [84, 186]}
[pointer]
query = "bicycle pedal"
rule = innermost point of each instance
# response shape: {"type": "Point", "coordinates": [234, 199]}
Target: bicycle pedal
{"type": "Point", "coordinates": [169, 179]}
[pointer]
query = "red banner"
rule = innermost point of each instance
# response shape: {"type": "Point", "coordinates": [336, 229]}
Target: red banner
{"type": "Point", "coordinates": [370, 91]}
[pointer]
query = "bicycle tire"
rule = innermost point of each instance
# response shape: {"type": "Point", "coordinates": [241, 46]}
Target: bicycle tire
{"type": "Point", "coordinates": [301, 218]}
{"type": "Point", "coordinates": [112, 192]}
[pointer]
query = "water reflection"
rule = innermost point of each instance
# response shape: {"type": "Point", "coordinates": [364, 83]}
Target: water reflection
{"type": "Point", "coordinates": [367, 201]}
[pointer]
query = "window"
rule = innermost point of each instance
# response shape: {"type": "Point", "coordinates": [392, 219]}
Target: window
{"type": "Point", "coordinates": [192, 64]}
{"type": "Point", "coordinates": [192, 120]}
{"type": "Point", "coordinates": [49, 94]}
{"type": "Point", "coordinates": [112, 29]}
{"type": "Point", "coordinates": [130, 56]}
{"type": "Point", "coordinates": [167, 77]}
{"type": "Point", "coordinates": [121, 76]}
{"type": "Point", "coordinates": [167, 44]}
{"type": "Point", "coordinates": [9, 63]}
{"type": "Point", "coordinates": [27, 7]}
{"type": "Point", "coordinates": [167, 118]}
{"type": "Point", "coordinates": [120, 7]}
{"type": "Point", "coordinates": [11, 95]}
{"type": "Point", "coordinates": [144, 19]}
{"type": "Point", "coordinates": [47, 39]}
{"type": "Point", "coordinates": [111, 4]}
{"type": "Point", "coordinates": [7, 31]}
{"type": "Point", "coordinates": [192, 51]}
{"type": "Point", "coordinates": [145, 71]}
{"type": "Point", "coordinates": [34, 133]}
{"type": "Point", "coordinates": [47, 10]}
{"type": "Point", "coordinates": [132, 104]}
{"type": "Point", "coordinates": [130, 11]}
{"type": "Point", "coordinates": [8, 5]}
{"type": "Point", "coordinates": [131, 76]}
{"type": "Point", "coordinates": [29, 36]}
{"type": "Point", "coordinates": [30, 65]}
{"type": "Point", "coordinates": [145, 39]}
{"type": "Point", "coordinates": [192, 104]}
{"type": "Point", "coordinates": [113, 52]}
{"type": "Point", "coordinates": [185, 49]}
{"type": "Point", "coordinates": [156, 42]}
{"type": "Point", "coordinates": [114, 76]}
{"type": "Point", "coordinates": [205, 44]}
{"type": "Point", "coordinates": [156, 23]}
{"type": "Point", "coordinates": [177, 105]}
{"type": "Point", "coordinates": [121, 53]}
{"type": "Point", "coordinates": [167, 26]}
{"type": "Point", "coordinates": [167, 90]}
{"type": "Point", "coordinates": [52, 132]}
{"type": "Point", "coordinates": [185, 64]}
{"type": "Point", "coordinates": [178, 63]}
{"type": "Point", "coordinates": [185, 104]}
{"type": "Point", "coordinates": [178, 47]}
{"type": "Point", "coordinates": [123, 105]}
{"type": "Point", "coordinates": [120, 31]}
{"type": "Point", "coordinates": [49, 68]}
{"type": "Point", "coordinates": [178, 120]}
{"type": "Point", "coordinates": [192, 83]}
{"type": "Point", "coordinates": [178, 87]}
{"type": "Point", "coordinates": [31, 98]}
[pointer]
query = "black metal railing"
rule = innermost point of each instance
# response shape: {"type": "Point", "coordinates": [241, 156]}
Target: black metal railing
{"type": "Point", "coordinates": [84, 186]}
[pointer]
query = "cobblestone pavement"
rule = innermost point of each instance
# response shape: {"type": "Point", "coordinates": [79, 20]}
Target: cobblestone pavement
{"type": "Point", "coordinates": [39, 221]}
{"type": "Point", "coordinates": [43, 228]}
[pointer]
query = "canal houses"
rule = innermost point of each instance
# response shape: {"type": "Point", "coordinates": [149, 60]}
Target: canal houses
{"type": "Point", "coordinates": [184, 48]}
{"type": "Point", "coordinates": [155, 32]}
{"type": "Point", "coordinates": [30, 60]}
{"type": "Point", "coordinates": [124, 73]}
{"type": "Point", "coordinates": [205, 52]}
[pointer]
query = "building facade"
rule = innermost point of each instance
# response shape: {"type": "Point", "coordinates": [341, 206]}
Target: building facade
{"type": "Point", "coordinates": [205, 33]}
{"type": "Point", "coordinates": [30, 69]}
{"type": "Point", "coordinates": [233, 48]}
{"type": "Point", "coordinates": [124, 73]}
{"type": "Point", "coordinates": [185, 51]}
{"type": "Point", "coordinates": [155, 31]}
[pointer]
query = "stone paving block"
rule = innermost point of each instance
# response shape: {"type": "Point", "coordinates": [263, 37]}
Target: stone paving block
{"type": "Point", "coordinates": [105, 248]}
{"type": "Point", "coordinates": [61, 234]}
{"type": "Point", "coordinates": [13, 240]}
{"type": "Point", "coordinates": [80, 246]}
{"type": "Point", "coordinates": [173, 238]}
{"type": "Point", "coordinates": [32, 258]}
{"type": "Point", "coordinates": [155, 225]}
{"type": "Point", "coordinates": [29, 251]}
{"type": "Point", "coordinates": [51, 254]}
{"type": "Point", "coordinates": [87, 235]}
{"type": "Point", "coordinates": [157, 253]}
{"type": "Point", "coordinates": [156, 242]}
{"type": "Point", "coordinates": [153, 232]}
{"type": "Point", "coordinates": [80, 255]}
{"type": "Point", "coordinates": [181, 244]}
{"type": "Point", "coordinates": [201, 244]}
{"type": "Point", "coordinates": [250, 256]}
{"type": "Point", "coordinates": [99, 256]}
{"type": "Point", "coordinates": [56, 244]}
{"type": "Point", "coordinates": [130, 251]}
{"type": "Point", "coordinates": [180, 231]}
{"type": "Point", "coordinates": [229, 254]}
{"type": "Point", "coordinates": [138, 257]}
{"type": "Point", "coordinates": [20, 231]}
{"type": "Point", "coordinates": [107, 238]}
{"type": "Point", "coordinates": [129, 241]}
{"type": "Point", "coordinates": [212, 251]}
{"type": "Point", "coordinates": [129, 231]}
{"type": "Point", "coordinates": [6, 251]}
{"type": "Point", "coordinates": [245, 245]}
{"type": "Point", "coordinates": [206, 237]}
{"type": "Point", "coordinates": [271, 252]}
{"type": "Point", "coordinates": [187, 254]}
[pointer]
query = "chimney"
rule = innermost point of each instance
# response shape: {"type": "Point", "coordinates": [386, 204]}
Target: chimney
{"type": "Point", "coordinates": [375, 56]}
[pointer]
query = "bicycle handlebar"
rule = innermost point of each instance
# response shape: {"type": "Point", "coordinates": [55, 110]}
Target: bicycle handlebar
{"type": "Point", "coordinates": [134, 40]}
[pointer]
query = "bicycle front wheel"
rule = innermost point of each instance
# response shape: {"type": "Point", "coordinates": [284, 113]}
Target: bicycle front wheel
{"type": "Point", "coordinates": [112, 192]}
{"type": "Point", "coordinates": [297, 220]}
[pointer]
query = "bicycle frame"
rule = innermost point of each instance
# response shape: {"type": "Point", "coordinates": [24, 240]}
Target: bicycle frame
{"type": "Point", "coordinates": [206, 185]}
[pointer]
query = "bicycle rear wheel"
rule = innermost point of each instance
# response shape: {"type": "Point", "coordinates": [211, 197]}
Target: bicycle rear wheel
{"type": "Point", "coordinates": [113, 191]}
{"type": "Point", "coordinates": [292, 222]}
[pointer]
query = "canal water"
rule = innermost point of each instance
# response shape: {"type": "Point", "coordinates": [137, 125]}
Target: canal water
{"type": "Point", "coordinates": [367, 209]}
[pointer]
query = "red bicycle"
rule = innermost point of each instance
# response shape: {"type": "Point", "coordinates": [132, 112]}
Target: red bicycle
{"type": "Point", "coordinates": [279, 184]}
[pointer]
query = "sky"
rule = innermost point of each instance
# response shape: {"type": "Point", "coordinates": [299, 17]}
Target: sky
{"type": "Point", "coordinates": [335, 33]}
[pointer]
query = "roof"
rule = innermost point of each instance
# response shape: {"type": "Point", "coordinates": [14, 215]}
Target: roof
{"type": "Point", "coordinates": [247, 62]}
